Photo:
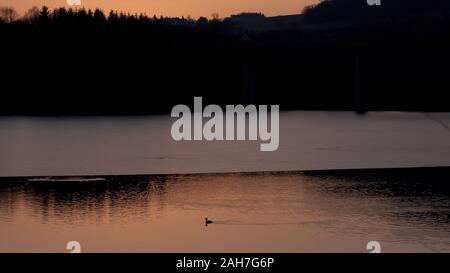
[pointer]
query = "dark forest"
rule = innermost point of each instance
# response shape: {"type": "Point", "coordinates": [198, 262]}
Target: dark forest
{"type": "Point", "coordinates": [343, 55]}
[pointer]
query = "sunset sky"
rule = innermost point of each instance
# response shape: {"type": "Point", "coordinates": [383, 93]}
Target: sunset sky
{"type": "Point", "coordinates": [194, 8]}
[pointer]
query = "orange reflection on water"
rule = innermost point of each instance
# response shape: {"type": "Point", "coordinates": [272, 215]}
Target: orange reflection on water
{"type": "Point", "coordinates": [263, 212]}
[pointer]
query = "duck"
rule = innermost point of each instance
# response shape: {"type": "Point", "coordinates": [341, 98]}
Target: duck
{"type": "Point", "coordinates": [207, 222]}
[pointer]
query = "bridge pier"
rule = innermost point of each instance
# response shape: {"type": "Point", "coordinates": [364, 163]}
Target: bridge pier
{"type": "Point", "coordinates": [248, 81]}
{"type": "Point", "coordinates": [360, 92]}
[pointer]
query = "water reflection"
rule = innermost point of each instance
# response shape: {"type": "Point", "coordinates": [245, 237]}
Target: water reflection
{"type": "Point", "coordinates": [75, 199]}
{"type": "Point", "coordinates": [421, 196]}
{"type": "Point", "coordinates": [407, 210]}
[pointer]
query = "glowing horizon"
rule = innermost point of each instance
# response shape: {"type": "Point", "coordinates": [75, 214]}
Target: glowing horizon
{"type": "Point", "coordinates": [178, 8]}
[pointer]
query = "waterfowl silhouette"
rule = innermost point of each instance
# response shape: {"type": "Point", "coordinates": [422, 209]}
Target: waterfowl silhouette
{"type": "Point", "coordinates": [208, 222]}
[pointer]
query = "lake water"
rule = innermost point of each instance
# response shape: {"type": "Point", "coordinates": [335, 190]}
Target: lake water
{"type": "Point", "coordinates": [405, 211]}
{"type": "Point", "coordinates": [80, 179]}
{"type": "Point", "coordinates": [51, 146]}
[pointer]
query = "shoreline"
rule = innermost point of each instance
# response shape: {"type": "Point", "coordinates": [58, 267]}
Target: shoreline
{"type": "Point", "coordinates": [334, 172]}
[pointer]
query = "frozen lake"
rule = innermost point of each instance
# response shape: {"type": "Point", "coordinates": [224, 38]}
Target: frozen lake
{"type": "Point", "coordinates": [52, 146]}
{"type": "Point", "coordinates": [57, 184]}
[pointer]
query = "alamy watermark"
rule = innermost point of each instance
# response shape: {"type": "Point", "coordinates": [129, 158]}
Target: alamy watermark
{"type": "Point", "coordinates": [73, 2]}
{"type": "Point", "coordinates": [73, 247]}
{"type": "Point", "coordinates": [189, 125]}
{"type": "Point", "coordinates": [374, 2]}
{"type": "Point", "coordinates": [374, 247]}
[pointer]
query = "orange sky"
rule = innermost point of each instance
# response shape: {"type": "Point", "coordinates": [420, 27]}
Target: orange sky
{"type": "Point", "coordinates": [194, 8]}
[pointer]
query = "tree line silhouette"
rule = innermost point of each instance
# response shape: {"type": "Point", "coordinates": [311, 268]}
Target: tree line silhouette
{"type": "Point", "coordinates": [90, 23]}
{"type": "Point", "coordinates": [330, 21]}
{"type": "Point", "coordinates": [45, 15]}
{"type": "Point", "coordinates": [78, 61]}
